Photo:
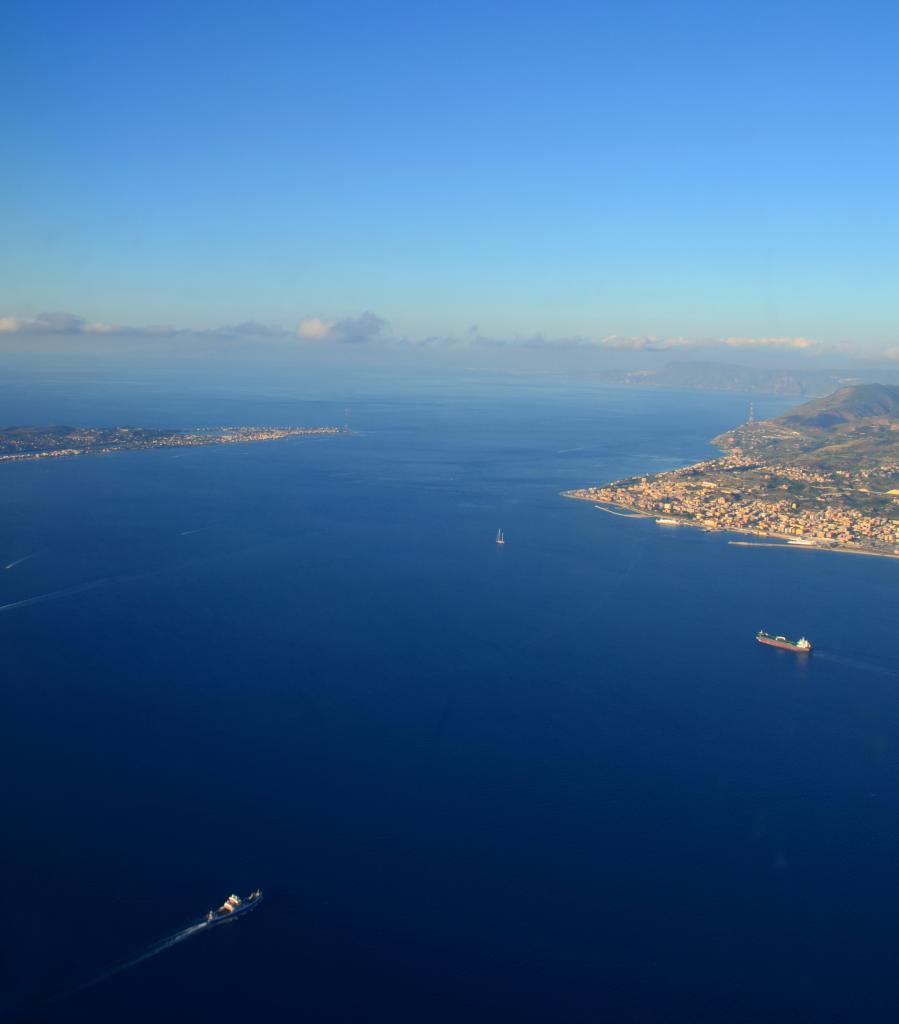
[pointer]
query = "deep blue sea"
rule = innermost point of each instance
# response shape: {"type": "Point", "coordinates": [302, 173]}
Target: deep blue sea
{"type": "Point", "coordinates": [551, 781]}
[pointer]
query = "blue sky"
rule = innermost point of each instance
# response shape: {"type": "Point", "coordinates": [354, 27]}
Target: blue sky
{"type": "Point", "coordinates": [566, 169]}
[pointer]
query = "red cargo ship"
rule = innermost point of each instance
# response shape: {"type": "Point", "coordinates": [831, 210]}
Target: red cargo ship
{"type": "Point", "coordinates": [800, 646]}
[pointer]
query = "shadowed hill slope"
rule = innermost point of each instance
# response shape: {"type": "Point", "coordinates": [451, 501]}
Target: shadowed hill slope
{"type": "Point", "coordinates": [846, 406]}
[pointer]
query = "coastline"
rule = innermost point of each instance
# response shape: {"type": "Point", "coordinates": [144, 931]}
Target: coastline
{"type": "Point", "coordinates": [637, 513]}
{"type": "Point", "coordinates": [242, 435]}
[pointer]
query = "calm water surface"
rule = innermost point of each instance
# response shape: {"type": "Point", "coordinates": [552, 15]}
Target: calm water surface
{"type": "Point", "coordinates": [552, 781]}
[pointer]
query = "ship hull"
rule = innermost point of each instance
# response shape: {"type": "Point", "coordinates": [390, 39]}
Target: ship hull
{"type": "Point", "coordinates": [222, 917]}
{"type": "Point", "coordinates": [783, 646]}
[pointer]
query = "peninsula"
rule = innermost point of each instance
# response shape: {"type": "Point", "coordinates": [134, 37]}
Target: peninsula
{"type": "Point", "coordinates": [19, 443]}
{"type": "Point", "coordinates": [825, 475]}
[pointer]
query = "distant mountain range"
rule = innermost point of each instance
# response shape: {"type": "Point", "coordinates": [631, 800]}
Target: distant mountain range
{"type": "Point", "coordinates": [708, 376]}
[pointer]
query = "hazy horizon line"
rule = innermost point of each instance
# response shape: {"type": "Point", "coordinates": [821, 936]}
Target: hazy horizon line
{"type": "Point", "coordinates": [371, 330]}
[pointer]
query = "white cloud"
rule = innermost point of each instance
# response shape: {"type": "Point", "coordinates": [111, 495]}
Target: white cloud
{"type": "Point", "coordinates": [355, 330]}
{"type": "Point", "coordinates": [44, 323]}
{"type": "Point", "coordinates": [247, 329]}
{"type": "Point", "coordinates": [644, 344]}
{"type": "Point", "coordinates": [370, 329]}
{"type": "Point", "coordinates": [69, 324]}
{"type": "Point", "coordinates": [654, 344]}
{"type": "Point", "coordinates": [350, 330]}
{"type": "Point", "coordinates": [802, 344]}
{"type": "Point", "coordinates": [312, 328]}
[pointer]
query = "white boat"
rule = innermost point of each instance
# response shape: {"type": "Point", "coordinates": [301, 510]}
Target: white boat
{"type": "Point", "coordinates": [500, 539]}
{"type": "Point", "coordinates": [665, 521]}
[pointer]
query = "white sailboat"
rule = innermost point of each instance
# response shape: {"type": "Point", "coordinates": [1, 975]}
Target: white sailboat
{"type": "Point", "coordinates": [500, 539]}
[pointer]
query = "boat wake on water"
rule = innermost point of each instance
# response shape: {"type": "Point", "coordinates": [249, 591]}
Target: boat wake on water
{"type": "Point", "coordinates": [54, 595]}
{"type": "Point", "coordinates": [154, 950]}
{"type": "Point", "coordinates": [19, 561]}
{"type": "Point", "coordinates": [233, 908]}
{"type": "Point", "coordinates": [106, 581]}
{"type": "Point", "coordinates": [859, 663]}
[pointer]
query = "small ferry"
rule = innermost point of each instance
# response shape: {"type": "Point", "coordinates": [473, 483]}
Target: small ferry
{"type": "Point", "coordinates": [667, 521]}
{"type": "Point", "coordinates": [800, 646]}
{"type": "Point", "coordinates": [234, 907]}
{"type": "Point", "coordinates": [500, 539]}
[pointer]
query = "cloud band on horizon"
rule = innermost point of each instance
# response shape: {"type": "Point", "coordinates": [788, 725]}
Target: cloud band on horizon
{"type": "Point", "coordinates": [370, 329]}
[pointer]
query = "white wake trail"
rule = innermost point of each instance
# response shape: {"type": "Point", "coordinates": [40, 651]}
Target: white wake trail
{"type": "Point", "coordinates": [54, 595]}
{"type": "Point", "coordinates": [154, 950]}
{"type": "Point", "coordinates": [19, 561]}
{"type": "Point", "coordinates": [857, 662]}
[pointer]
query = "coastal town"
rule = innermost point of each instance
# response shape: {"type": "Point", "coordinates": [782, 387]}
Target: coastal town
{"type": "Point", "coordinates": [824, 475]}
{"type": "Point", "coordinates": [737, 494]}
{"type": "Point", "coordinates": [22, 443]}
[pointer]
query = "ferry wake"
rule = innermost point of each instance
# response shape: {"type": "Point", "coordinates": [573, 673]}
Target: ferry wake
{"type": "Point", "coordinates": [230, 910]}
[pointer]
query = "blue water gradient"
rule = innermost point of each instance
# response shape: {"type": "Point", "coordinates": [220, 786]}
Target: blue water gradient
{"type": "Point", "coordinates": [556, 780]}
